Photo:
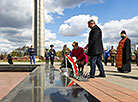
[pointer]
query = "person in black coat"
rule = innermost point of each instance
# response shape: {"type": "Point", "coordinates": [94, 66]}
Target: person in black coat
{"type": "Point", "coordinates": [124, 54]}
{"type": "Point", "coordinates": [95, 49]}
{"type": "Point", "coordinates": [52, 53]}
{"type": "Point", "coordinates": [9, 57]}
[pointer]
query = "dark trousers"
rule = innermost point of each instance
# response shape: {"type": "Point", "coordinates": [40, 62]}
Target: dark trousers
{"type": "Point", "coordinates": [52, 62]}
{"type": "Point", "coordinates": [105, 61]}
{"type": "Point", "coordinates": [96, 60]}
{"type": "Point", "coordinates": [10, 61]}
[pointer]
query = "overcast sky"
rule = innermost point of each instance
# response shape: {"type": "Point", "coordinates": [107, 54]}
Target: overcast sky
{"type": "Point", "coordinates": [66, 21]}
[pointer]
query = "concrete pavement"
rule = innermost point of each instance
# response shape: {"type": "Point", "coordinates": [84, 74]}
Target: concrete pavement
{"type": "Point", "coordinates": [127, 80]}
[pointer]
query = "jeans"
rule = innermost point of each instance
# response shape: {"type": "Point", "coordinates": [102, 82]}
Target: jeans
{"type": "Point", "coordinates": [96, 60]}
{"type": "Point", "coordinates": [32, 58]}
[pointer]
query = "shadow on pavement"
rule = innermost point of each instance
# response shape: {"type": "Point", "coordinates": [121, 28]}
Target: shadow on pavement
{"type": "Point", "coordinates": [124, 76]}
{"type": "Point", "coordinates": [135, 69]}
{"type": "Point", "coordinates": [111, 71]}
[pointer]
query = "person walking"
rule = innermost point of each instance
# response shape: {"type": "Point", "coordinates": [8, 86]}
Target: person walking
{"type": "Point", "coordinates": [106, 55]}
{"type": "Point", "coordinates": [123, 57]}
{"type": "Point", "coordinates": [52, 53]}
{"type": "Point", "coordinates": [32, 52]}
{"type": "Point", "coordinates": [112, 53]}
{"type": "Point", "coordinates": [95, 49]}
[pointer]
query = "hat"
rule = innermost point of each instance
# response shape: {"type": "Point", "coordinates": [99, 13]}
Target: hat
{"type": "Point", "coordinates": [123, 32]}
{"type": "Point", "coordinates": [51, 45]}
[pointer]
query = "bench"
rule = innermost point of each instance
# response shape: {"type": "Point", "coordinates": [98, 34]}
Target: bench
{"type": "Point", "coordinates": [107, 91]}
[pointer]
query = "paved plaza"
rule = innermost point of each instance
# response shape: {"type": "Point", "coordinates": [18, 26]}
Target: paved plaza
{"type": "Point", "coordinates": [9, 80]}
{"type": "Point", "coordinates": [127, 80]}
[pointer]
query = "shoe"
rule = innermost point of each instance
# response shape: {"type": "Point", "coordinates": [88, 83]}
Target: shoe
{"type": "Point", "coordinates": [100, 75]}
{"type": "Point", "coordinates": [91, 77]}
{"type": "Point", "coordinates": [126, 71]}
{"type": "Point", "coordinates": [120, 70]}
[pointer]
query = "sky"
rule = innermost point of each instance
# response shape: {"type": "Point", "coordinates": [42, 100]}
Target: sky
{"type": "Point", "coordinates": [66, 21]}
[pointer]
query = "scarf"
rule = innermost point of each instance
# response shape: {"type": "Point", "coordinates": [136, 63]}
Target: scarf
{"type": "Point", "coordinates": [119, 55]}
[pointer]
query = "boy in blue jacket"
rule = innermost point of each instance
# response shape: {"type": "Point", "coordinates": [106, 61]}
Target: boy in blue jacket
{"type": "Point", "coordinates": [106, 55]}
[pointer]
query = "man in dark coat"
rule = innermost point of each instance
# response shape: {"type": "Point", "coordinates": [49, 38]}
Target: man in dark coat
{"type": "Point", "coordinates": [52, 53]}
{"type": "Point", "coordinates": [9, 57]}
{"type": "Point", "coordinates": [123, 58]}
{"type": "Point", "coordinates": [95, 49]}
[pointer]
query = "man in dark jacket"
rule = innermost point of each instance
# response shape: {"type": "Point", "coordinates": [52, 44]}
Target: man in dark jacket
{"type": "Point", "coordinates": [32, 52]}
{"type": "Point", "coordinates": [9, 57]}
{"type": "Point", "coordinates": [95, 49]}
{"type": "Point", "coordinates": [52, 53]}
{"type": "Point", "coordinates": [123, 57]}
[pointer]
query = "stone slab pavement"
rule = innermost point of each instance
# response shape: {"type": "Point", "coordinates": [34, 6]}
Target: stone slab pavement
{"type": "Point", "coordinates": [9, 80]}
{"type": "Point", "coordinates": [127, 80]}
{"type": "Point", "coordinates": [116, 87]}
{"type": "Point", "coordinates": [21, 63]}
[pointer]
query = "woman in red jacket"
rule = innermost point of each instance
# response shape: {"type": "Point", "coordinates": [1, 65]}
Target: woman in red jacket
{"type": "Point", "coordinates": [81, 57]}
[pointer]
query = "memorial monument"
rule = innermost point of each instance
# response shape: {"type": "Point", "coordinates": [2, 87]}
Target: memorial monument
{"type": "Point", "coordinates": [38, 27]}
